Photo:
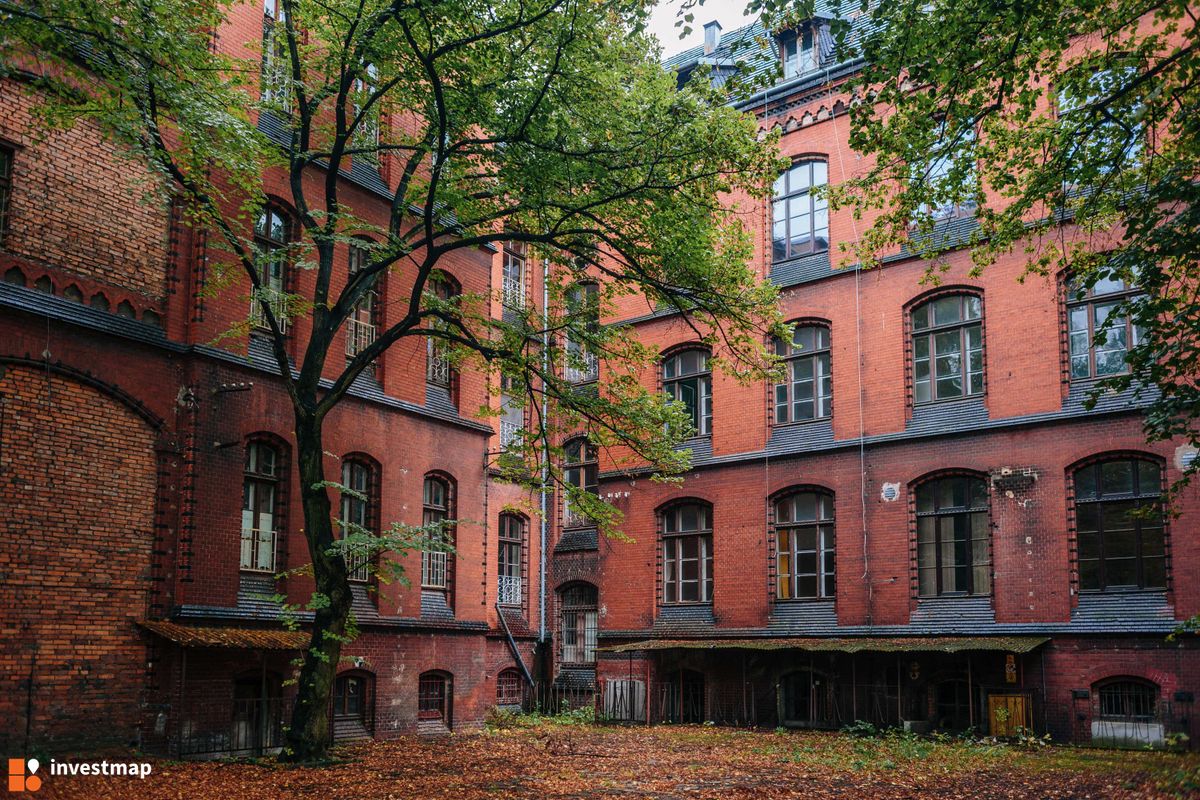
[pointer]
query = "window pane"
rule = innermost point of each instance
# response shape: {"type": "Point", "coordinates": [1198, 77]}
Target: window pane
{"type": "Point", "coordinates": [1149, 477]}
{"type": "Point", "coordinates": [947, 310]}
{"type": "Point", "coordinates": [1116, 477]}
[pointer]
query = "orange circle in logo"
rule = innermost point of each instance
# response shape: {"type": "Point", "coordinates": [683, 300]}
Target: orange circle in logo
{"type": "Point", "coordinates": [33, 783]}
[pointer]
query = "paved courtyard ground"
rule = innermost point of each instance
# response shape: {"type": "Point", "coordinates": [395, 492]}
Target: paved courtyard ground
{"type": "Point", "coordinates": [561, 761]}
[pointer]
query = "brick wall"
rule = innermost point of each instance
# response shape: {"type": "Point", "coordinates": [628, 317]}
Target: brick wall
{"type": "Point", "coordinates": [78, 481]}
{"type": "Point", "coordinates": [81, 207]}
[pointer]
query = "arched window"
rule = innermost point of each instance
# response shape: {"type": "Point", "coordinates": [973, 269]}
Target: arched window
{"type": "Point", "coordinates": [687, 553]}
{"type": "Point", "coordinates": [260, 506]}
{"type": "Point", "coordinates": [509, 589]}
{"type": "Point", "coordinates": [357, 514]}
{"type": "Point", "coordinates": [272, 232]}
{"type": "Point", "coordinates": [947, 342]}
{"type": "Point", "coordinates": [687, 380]}
{"type": "Point", "coordinates": [581, 470]}
{"type": "Point", "coordinates": [366, 135]}
{"type": "Point", "coordinates": [807, 391]}
{"type": "Point", "coordinates": [583, 318]}
{"type": "Point", "coordinates": [510, 688]}
{"type": "Point", "coordinates": [436, 511]}
{"type": "Point", "coordinates": [433, 697]}
{"type": "Point", "coordinates": [805, 550]}
{"type": "Point", "coordinates": [1099, 341]}
{"type": "Point", "coordinates": [6, 182]}
{"type": "Point", "coordinates": [1128, 700]}
{"type": "Point", "coordinates": [1120, 549]}
{"type": "Point", "coordinates": [799, 220]}
{"type": "Point", "coordinates": [363, 324]}
{"type": "Point", "coordinates": [438, 371]}
{"type": "Point", "coordinates": [953, 549]}
{"type": "Point", "coordinates": [512, 294]}
{"type": "Point", "coordinates": [579, 617]}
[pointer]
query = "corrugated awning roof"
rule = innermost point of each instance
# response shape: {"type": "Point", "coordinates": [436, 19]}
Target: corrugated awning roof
{"type": "Point", "coordinates": [858, 644]}
{"type": "Point", "coordinates": [243, 638]}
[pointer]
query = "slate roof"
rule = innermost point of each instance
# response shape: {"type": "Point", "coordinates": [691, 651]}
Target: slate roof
{"type": "Point", "coordinates": [226, 637]}
{"type": "Point", "coordinates": [578, 539]}
{"type": "Point", "coordinates": [874, 644]}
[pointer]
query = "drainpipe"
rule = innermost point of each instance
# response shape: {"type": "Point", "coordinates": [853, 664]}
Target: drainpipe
{"type": "Point", "coordinates": [545, 457]}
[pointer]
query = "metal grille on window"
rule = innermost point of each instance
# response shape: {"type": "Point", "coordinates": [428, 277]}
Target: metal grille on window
{"type": "Point", "coordinates": [434, 563]}
{"type": "Point", "coordinates": [6, 176]}
{"type": "Point", "coordinates": [579, 624]}
{"type": "Point", "coordinates": [260, 485]}
{"type": "Point", "coordinates": [512, 540]}
{"type": "Point", "coordinates": [947, 348]}
{"type": "Point", "coordinates": [513, 278]}
{"type": "Point", "coordinates": [356, 516]}
{"type": "Point", "coordinates": [581, 470]}
{"type": "Point", "coordinates": [271, 234]}
{"type": "Point", "coordinates": [687, 380]}
{"type": "Point", "coordinates": [805, 546]}
{"type": "Point", "coordinates": [583, 313]}
{"type": "Point", "coordinates": [687, 554]}
{"type": "Point", "coordinates": [437, 361]}
{"type": "Point", "coordinates": [1120, 537]}
{"type": "Point", "coordinates": [953, 547]}
{"type": "Point", "coordinates": [431, 697]}
{"type": "Point", "coordinates": [361, 326]}
{"type": "Point", "coordinates": [512, 414]}
{"type": "Point", "coordinates": [276, 72]}
{"type": "Point", "coordinates": [366, 135]}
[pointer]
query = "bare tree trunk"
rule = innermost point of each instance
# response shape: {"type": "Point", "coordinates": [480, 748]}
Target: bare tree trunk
{"type": "Point", "coordinates": [309, 737]}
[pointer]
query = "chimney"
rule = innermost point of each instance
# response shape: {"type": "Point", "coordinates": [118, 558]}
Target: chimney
{"type": "Point", "coordinates": [712, 36]}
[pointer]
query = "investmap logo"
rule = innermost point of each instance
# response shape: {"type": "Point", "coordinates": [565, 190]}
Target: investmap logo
{"type": "Point", "coordinates": [22, 775]}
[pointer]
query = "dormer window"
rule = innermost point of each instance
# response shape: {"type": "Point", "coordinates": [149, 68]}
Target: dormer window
{"type": "Point", "coordinates": [800, 53]}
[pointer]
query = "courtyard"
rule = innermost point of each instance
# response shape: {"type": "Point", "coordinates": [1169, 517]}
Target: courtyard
{"type": "Point", "coordinates": [549, 759]}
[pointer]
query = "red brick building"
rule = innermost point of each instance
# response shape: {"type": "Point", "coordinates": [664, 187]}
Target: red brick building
{"type": "Point", "coordinates": [148, 490]}
{"type": "Point", "coordinates": [922, 524]}
{"type": "Point", "coordinates": [913, 528]}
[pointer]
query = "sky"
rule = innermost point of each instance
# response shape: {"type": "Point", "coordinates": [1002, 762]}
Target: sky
{"type": "Point", "coordinates": [662, 22]}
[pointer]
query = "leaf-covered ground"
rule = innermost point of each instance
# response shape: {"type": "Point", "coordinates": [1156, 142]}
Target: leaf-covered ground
{"type": "Point", "coordinates": [557, 761]}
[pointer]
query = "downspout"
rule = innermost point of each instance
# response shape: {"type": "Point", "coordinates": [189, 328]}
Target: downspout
{"type": "Point", "coordinates": [545, 457]}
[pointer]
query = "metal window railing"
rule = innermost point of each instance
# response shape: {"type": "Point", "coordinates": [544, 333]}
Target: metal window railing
{"type": "Point", "coordinates": [278, 303]}
{"type": "Point", "coordinates": [437, 366]}
{"type": "Point", "coordinates": [433, 569]}
{"type": "Point", "coordinates": [359, 336]}
{"type": "Point", "coordinates": [510, 432]}
{"type": "Point", "coordinates": [508, 590]}
{"type": "Point", "coordinates": [258, 550]}
{"type": "Point", "coordinates": [589, 370]}
{"type": "Point", "coordinates": [513, 293]}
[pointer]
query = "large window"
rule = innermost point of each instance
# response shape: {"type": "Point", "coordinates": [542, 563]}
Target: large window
{"type": "Point", "coordinates": [1103, 121]}
{"type": "Point", "coordinates": [805, 549]}
{"type": "Point", "coordinates": [807, 391]}
{"type": "Point", "coordinates": [799, 220]}
{"type": "Point", "coordinates": [1119, 525]}
{"type": "Point", "coordinates": [687, 380]}
{"type": "Point", "coordinates": [260, 500]}
{"type": "Point", "coordinates": [438, 371]}
{"type": "Point", "coordinates": [362, 325]}
{"type": "Point", "coordinates": [946, 200]}
{"type": "Point", "coordinates": [583, 316]}
{"type": "Point", "coordinates": [580, 469]}
{"type": "Point", "coordinates": [435, 561]}
{"type": "Point", "coordinates": [512, 543]}
{"type": "Point", "coordinates": [356, 516]}
{"type": "Point", "coordinates": [271, 235]}
{"type": "Point", "coordinates": [1099, 339]}
{"type": "Point", "coordinates": [512, 293]}
{"type": "Point", "coordinates": [947, 345]}
{"type": "Point", "coordinates": [579, 616]}
{"type": "Point", "coordinates": [276, 72]}
{"type": "Point", "coordinates": [687, 554]}
{"type": "Point", "coordinates": [6, 181]}
{"type": "Point", "coordinates": [366, 135]}
{"type": "Point", "coordinates": [953, 549]}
